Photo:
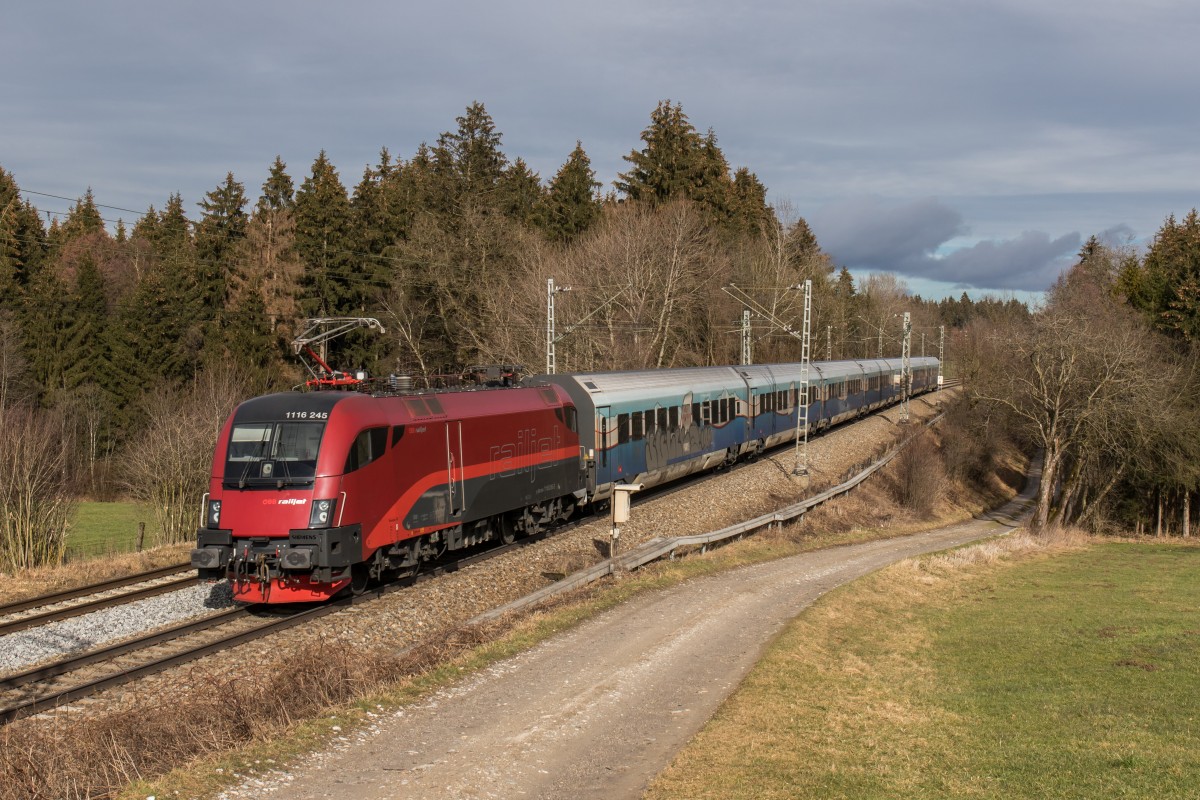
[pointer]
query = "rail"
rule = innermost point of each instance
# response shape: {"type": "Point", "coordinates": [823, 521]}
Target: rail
{"type": "Point", "coordinates": [94, 588]}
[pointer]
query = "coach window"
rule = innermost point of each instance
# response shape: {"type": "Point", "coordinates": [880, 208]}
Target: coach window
{"type": "Point", "coordinates": [697, 416]}
{"type": "Point", "coordinates": [604, 441]}
{"type": "Point", "coordinates": [673, 418]}
{"type": "Point", "coordinates": [662, 420]}
{"type": "Point", "coordinates": [648, 420]}
{"type": "Point", "coordinates": [636, 431]}
{"type": "Point", "coordinates": [622, 428]}
{"type": "Point", "coordinates": [368, 446]}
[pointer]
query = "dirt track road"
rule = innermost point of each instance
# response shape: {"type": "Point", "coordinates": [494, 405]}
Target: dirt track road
{"type": "Point", "coordinates": [598, 711]}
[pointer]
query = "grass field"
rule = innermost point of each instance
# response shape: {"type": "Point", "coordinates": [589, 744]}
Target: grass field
{"type": "Point", "coordinates": [1071, 674]}
{"type": "Point", "coordinates": [103, 528]}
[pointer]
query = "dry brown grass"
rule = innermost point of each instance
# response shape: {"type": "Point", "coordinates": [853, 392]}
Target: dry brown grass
{"type": "Point", "coordinates": [44, 580]}
{"type": "Point", "coordinates": [69, 756]}
{"type": "Point", "coordinates": [917, 477]}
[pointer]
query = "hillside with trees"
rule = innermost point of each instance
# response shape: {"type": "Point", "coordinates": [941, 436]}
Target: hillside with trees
{"type": "Point", "coordinates": [123, 345]}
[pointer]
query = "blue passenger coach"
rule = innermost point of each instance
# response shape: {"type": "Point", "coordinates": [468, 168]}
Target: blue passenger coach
{"type": "Point", "coordinates": [654, 426]}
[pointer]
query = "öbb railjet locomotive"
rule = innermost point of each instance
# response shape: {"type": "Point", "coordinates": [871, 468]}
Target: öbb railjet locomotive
{"type": "Point", "coordinates": [312, 493]}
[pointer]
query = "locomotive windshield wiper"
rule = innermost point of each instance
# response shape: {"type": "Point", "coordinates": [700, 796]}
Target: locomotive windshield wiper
{"type": "Point", "coordinates": [294, 482]}
{"type": "Point", "coordinates": [255, 458]}
{"type": "Point", "coordinates": [286, 480]}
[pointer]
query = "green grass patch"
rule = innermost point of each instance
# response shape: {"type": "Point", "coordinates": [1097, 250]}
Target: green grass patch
{"type": "Point", "coordinates": [104, 528]}
{"type": "Point", "coordinates": [1050, 675]}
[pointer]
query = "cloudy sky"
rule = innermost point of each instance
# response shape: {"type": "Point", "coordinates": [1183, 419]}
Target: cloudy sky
{"type": "Point", "coordinates": [961, 145]}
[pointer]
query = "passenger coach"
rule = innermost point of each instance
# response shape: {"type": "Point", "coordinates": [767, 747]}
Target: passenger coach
{"type": "Point", "coordinates": [651, 427]}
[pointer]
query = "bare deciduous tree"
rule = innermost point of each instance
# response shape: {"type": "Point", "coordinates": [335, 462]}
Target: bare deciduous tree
{"type": "Point", "coordinates": [35, 488]}
{"type": "Point", "coordinates": [167, 467]}
{"type": "Point", "coordinates": [1082, 380]}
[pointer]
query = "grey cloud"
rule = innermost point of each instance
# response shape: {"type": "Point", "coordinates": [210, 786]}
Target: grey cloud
{"type": "Point", "coordinates": [1030, 262]}
{"type": "Point", "coordinates": [874, 235]}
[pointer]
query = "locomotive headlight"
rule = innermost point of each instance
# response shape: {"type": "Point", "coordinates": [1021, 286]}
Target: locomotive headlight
{"type": "Point", "coordinates": [213, 517]}
{"type": "Point", "coordinates": [321, 515]}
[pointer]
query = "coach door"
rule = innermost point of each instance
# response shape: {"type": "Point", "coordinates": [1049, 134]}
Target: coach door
{"type": "Point", "coordinates": [455, 468]}
{"type": "Point", "coordinates": [604, 427]}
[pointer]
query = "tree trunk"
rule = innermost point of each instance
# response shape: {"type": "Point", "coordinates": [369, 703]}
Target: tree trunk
{"type": "Point", "coordinates": [1187, 513]}
{"type": "Point", "coordinates": [1090, 506]}
{"type": "Point", "coordinates": [1158, 521]}
{"type": "Point", "coordinates": [1041, 515]}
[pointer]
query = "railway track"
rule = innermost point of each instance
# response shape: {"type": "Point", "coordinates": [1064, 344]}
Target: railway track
{"type": "Point", "coordinates": [67, 680]}
{"type": "Point", "coordinates": [31, 613]}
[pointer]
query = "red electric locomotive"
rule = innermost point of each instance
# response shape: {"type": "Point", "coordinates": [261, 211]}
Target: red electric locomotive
{"type": "Point", "coordinates": [314, 492]}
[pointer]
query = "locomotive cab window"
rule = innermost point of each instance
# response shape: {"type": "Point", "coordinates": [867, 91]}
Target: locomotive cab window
{"type": "Point", "coordinates": [368, 446]}
{"type": "Point", "coordinates": [273, 452]}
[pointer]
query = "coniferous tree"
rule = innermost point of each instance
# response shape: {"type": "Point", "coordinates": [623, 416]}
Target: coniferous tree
{"type": "Point", "coordinates": [474, 156]}
{"type": "Point", "coordinates": [519, 192]}
{"type": "Point", "coordinates": [677, 162]}
{"type": "Point", "coordinates": [223, 224]}
{"type": "Point", "coordinates": [146, 228]}
{"type": "Point", "coordinates": [84, 340]}
{"type": "Point", "coordinates": [83, 219]}
{"type": "Point", "coordinates": [713, 188]}
{"type": "Point", "coordinates": [672, 161]}
{"type": "Point", "coordinates": [44, 320]}
{"type": "Point", "coordinates": [417, 188]}
{"type": "Point", "coordinates": [219, 246]}
{"type": "Point", "coordinates": [374, 203]}
{"type": "Point", "coordinates": [22, 241]}
{"type": "Point", "coordinates": [1167, 287]}
{"type": "Point", "coordinates": [324, 227]}
{"type": "Point", "coordinates": [749, 212]}
{"type": "Point", "coordinates": [570, 205]}
{"type": "Point", "coordinates": [161, 324]}
{"type": "Point", "coordinates": [273, 262]}
{"type": "Point", "coordinates": [172, 230]}
{"type": "Point", "coordinates": [278, 191]}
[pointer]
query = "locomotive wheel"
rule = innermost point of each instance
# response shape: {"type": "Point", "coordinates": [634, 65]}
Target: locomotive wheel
{"type": "Point", "coordinates": [360, 578]}
{"type": "Point", "coordinates": [507, 528]}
